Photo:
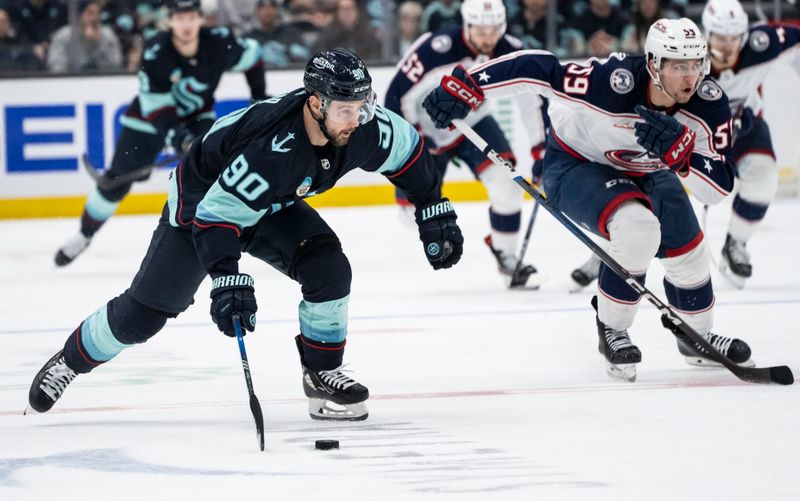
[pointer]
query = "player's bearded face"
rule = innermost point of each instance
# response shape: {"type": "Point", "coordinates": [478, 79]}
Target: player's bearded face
{"type": "Point", "coordinates": [484, 38]}
{"type": "Point", "coordinates": [342, 120]}
{"type": "Point", "coordinates": [679, 77]}
{"type": "Point", "coordinates": [724, 49]}
{"type": "Point", "coordinates": [185, 25]}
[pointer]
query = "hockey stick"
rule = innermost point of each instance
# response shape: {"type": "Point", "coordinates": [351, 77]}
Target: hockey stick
{"type": "Point", "coordinates": [515, 276]}
{"type": "Point", "coordinates": [255, 406]}
{"type": "Point", "coordinates": [111, 183]}
{"type": "Point", "coordinates": [779, 374]}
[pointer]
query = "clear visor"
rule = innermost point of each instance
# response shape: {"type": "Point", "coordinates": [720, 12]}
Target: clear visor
{"type": "Point", "coordinates": [351, 111]}
{"type": "Point", "coordinates": [679, 68]}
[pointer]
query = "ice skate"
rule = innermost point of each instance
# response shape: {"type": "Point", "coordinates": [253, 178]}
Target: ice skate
{"type": "Point", "coordinates": [620, 353]}
{"type": "Point", "coordinates": [586, 273]}
{"type": "Point", "coordinates": [49, 384]}
{"type": "Point", "coordinates": [332, 395]}
{"type": "Point", "coordinates": [72, 249]}
{"type": "Point", "coordinates": [735, 264]}
{"type": "Point", "coordinates": [524, 276]}
{"type": "Point", "coordinates": [736, 350]}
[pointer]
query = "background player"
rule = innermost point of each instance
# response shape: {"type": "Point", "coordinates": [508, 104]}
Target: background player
{"type": "Point", "coordinates": [242, 188]}
{"type": "Point", "coordinates": [433, 56]}
{"type": "Point", "coordinates": [740, 62]}
{"type": "Point", "coordinates": [180, 71]}
{"type": "Point", "coordinates": [622, 132]}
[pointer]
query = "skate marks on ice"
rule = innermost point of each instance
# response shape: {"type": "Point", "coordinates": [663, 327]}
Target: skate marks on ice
{"type": "Point", "coordinates": [427, 460]}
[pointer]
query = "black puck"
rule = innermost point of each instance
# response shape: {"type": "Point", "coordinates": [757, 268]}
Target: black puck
{"type": "Point", "coordinates": [325, 445]}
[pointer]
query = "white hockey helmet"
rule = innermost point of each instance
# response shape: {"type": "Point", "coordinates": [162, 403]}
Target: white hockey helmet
{"type": "Point", "coordinates": [725, 17]}
{"type": "Point", "coordinates": [484, 13]}
{"type": "Point", "coordinates": [675, 39]}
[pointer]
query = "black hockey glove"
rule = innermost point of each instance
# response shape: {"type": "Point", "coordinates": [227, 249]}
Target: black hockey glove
{"type": "Point", "coordinates": [440, 234]}
{"type": "Point", "coordinates": [232, 294]}
{"type": "Point", "coordinates": [453, 98]}
{"type": "Point", "coordinates": [180, 139]}
{"type": "Point", "coordinates": [666, 138]}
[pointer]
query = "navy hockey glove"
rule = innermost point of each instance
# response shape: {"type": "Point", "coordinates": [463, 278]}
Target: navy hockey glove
{"type": "Point", "coordinates": [666, 138]}
{"type": "Point", "coordinates": [180, 139]}
{"type": "Point", "coordinates": [440, 234]}
{"type": "Point", "coordinates": [232, 294]}
{"type": "Point", "coordinates": [454, 98]}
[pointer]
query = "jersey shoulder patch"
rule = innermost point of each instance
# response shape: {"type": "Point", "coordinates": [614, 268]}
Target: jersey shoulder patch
{"type": "Point", "coordinates": [441, 43]}
{"type": "Point", "coordinates": [621, 81]}
{"type": "Point", "coordinates": [709, 90]}
{"type": "Point", "coordinates": [758, 40]}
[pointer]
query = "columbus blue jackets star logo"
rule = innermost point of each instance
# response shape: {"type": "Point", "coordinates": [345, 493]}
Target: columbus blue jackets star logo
{"type": "Point", "coordinates": [707, 165]}
{"type": "Point", "coordinates": [483, 76]}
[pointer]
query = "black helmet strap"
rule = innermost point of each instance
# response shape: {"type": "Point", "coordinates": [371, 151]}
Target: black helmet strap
{"type": "Point", "coordinates": [320, 121]}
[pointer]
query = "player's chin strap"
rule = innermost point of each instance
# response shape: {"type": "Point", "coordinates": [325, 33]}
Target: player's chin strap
{"type": "Point", "coordinates": [656, 78]}
{"type": "Point", "coordinates": [321, 121]}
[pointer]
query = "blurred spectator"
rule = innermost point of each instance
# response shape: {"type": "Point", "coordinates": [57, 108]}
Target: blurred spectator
{"type": "Point", "coordinates": [304, 17]}
{"type": "Point", "coordinates": [409, 15]}
{"type": "Point", "coordinates": [530, 26]}
{"type": "Point", "coordinates": [239, 15]}
{"type": "Point", "coordinates": [97, 46]}
{"type": "Point", "coordinates": [645, 13]}
{"type": "Point", "coordinates": [151, 17]}
{"type": "Point", "coordinates": [281, 44]}
{"type": "Point", "coordinates": [15, 55]}
{"type": "Point", "coordinates": [441, 14]}
{"type": "Point", "coordinates": [36, 20]}
{"type": "Point", "coordinates": [601, 28]}
{"type": "Point", "coordinates": [351, 30]}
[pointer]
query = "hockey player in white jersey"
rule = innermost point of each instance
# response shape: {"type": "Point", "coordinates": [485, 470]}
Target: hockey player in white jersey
{"type": "Point", "coordinates": [434, 55]}
{"type": "Point", "coordinates": [741, 59]}
{"type": "Point", "coordinates": [623, 133]}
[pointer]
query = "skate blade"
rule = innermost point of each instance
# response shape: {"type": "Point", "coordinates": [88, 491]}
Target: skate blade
{"type": "Point", "coordinates": [728, 274]}
{"type": "Point", "coordinates": [325, 410]}
{"type": "Point", "coordinates": [533, 282]}
{"type": "Point", "coordinates": [626, 372]}
{"type": "Point", "coordinates": [29, 411]}
{"type": "Point", "coordinates": [705, 362]}
{"type": "Point", "coordinates": [578, 287]}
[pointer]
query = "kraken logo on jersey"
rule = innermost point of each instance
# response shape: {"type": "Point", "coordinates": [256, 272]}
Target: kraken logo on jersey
{"type": "Point", "coordinates": [188, 95]}
{"type": "Point", "coordinates": [304, 187]}
{"type": "Point", "coordinates": [621, 81]}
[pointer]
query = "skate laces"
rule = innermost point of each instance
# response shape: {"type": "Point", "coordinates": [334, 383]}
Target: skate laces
{"type": "Point", "coordinates": [75, 245]}
{"type": "Point", "coordinates": [336, 378]}
{"type": "Point", "coordinates": [720, 343]}
{"type": "Point", "coordinates": [56, 379]}
{"type": "Point", "coordinates": [617, 340]}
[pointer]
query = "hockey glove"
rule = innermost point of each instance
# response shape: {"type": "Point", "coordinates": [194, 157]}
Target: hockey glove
{"type": "Point", "coordinates": [454, 98]}
{"type": "Point", "coordinates": [440, 234]}
{"type": "Point", "coordinates": [180, 139]}
{"type": "Point", "coordinates": [666, 138]}
{"type": "Point", "coordinates": [232, 294]}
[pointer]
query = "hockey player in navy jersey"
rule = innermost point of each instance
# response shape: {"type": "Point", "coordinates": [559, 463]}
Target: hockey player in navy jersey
{"type": "Point", "coordinates": [624, 134]}
{"type": "Point", "coordinates": [180, 71]}
{"type": "Point", "coordinates": [741, 59]}
{"type": "Point", "coordinates": [434, 55]}
{"type": "Point", "coordinates": [242, 188]}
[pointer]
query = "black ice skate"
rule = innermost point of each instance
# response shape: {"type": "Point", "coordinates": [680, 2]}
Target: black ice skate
{"type": "Point", "coordinates": [49, 384]}
{"type": "Point", "coordinates": [524, 275]}
{"type": "Point", "coordinates": [620, 353]}
{"type": "Point", "coordinates": [735, 264]}
{"type": "Point", "coordinates": [332, 395]}
{"type": "Point", "coordinates": [735, 349]}
{"type": "Point", "coordinates": [586, 273]}
{"type": "Point", "coordinates": [72, 249]}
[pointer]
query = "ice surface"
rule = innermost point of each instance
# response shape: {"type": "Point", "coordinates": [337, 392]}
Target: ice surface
{"type": "Point", "coordinates": [477, 392]}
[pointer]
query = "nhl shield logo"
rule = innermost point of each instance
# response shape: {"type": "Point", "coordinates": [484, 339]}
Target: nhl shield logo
{"type": "Point", "coordinates": [325, 164]}
{"type": "Point", "coordinates": [621, 81]}
{"type": "Point", "coordinates": [304, 187]}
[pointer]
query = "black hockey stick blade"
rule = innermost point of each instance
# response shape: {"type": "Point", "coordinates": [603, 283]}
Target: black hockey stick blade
{"type": "Point", "coordinates": [255, 405]}
{"type": "Point", "coordinates": [764, 375]}
{"type": "Point", "coordinates": [110, 183]}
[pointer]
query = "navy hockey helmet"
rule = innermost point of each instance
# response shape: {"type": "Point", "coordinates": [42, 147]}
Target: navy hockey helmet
{"type": "Point", "coordinates": [184, 6]}
{"type": "Point", "coordinates": [340, 75]}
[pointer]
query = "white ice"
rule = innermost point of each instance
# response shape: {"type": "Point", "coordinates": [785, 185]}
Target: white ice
{"type": "Point", "coordinates": [477, 392]}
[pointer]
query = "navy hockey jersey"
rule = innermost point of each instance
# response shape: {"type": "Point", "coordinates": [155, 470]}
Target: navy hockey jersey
{"type": "Point", "coordinates": [173, 88]}
{"type": "Point", "coordinates": [258, 160]}
{"type": "Point", "coordinates": [765, 46]}
{"type": "Point", "coordinates": [431, 57]}
{"type": "Point", "coordinates": [592, 115]}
